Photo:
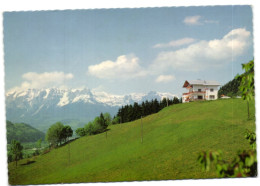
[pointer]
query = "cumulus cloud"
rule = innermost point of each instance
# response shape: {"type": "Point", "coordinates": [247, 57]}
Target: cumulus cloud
{"type": "Point", "coordinates": [164, 78]}
{"type": "Point", "coordinates": [206, 54]}
{"type": "Point", "coordinates": [125, 67]}
{"type": "Point", "coordinates": [175, 43]}
{"type": "Point", "coordinates": [44, 80]}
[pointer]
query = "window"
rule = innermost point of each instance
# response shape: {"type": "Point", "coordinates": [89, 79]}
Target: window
{"type": "Point", "coordinates": [200, 97]}
{"type": "Point", "coordinates": [211, 96]}
{"type": "Point", "coordinates": [211, 90]}
{"type": "Point", "coordinates": [199, 90]}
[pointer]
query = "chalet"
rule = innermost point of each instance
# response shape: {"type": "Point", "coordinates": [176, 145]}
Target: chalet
{"type": "Point", "coordinates": [200, 90]}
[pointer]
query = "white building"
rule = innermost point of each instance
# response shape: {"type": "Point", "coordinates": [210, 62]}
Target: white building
{"type": "Point", "coordinates": [200, 90]}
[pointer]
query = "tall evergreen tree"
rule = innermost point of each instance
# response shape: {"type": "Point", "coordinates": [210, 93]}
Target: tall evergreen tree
{"type": "Point", "coordinates": [163, 103]}
{"type": "Point", "coordinates": [175, 100]}
{"type": "Point", "coordinates": [102, 121]}
{"type": "Point", "coordinates": [156, 106]}
{"type": "Point", "coordinates": [137, 111]}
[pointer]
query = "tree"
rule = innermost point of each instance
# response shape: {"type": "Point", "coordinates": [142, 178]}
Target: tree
{"type": "Point", "coordinates": [230, 89]}
{"type": "Point", "coordinates": [54, 134]}
{"type": "Point", "coordinates": [9, 157]}
{"type": "Point", "coordinates": [163, 103]}
{"type": "Point", "coordinates": [39, 143]}
{"type": "Point", "coordinates": [130, 116]}
{"type": "Point", "coordinates": [89, 128]}
{"type": "Point", "coordinates": [16, 151]}
{"type": "Point", "coordinates": [147, 109]}
{"type": "Point", "coordinates": [116, 120]}
{"type": "Point", "coordinates": [66, 133]}
{"type": "Point", "coordinates": [102, 122]}
{"type": "Point", "coordinates": [97, 125]}
{"type": "Point", "coordinates": [247, 86]}
{"type": "Point", "coordinates": [107, 118]}
{"type": "Point", "coordinates": [155, 107]}
{"type": "Point", "coordinates": [176, 100]}
{"type": "Point", "coordinates": [80, 132]}
{"type": "Point", "coordinates": [137, 111]}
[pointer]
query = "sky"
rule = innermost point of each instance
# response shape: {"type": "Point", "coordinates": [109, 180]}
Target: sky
{"type": "Point", "coordinates": [122, 51]}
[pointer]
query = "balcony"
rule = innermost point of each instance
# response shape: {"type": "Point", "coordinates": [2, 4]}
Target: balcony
{"type": "Point", "coordinates": [194, 92]}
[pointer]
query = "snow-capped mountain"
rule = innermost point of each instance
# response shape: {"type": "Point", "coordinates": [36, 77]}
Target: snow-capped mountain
{"type": "Point", "coordinates": [46, 106]}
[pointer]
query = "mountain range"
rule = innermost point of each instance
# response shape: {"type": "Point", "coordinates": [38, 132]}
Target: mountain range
{"type": "Point", "coordinates": [42, 107]}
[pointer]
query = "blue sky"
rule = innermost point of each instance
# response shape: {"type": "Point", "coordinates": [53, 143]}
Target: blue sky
{"type": "Point", "coordinates": [122, 51]}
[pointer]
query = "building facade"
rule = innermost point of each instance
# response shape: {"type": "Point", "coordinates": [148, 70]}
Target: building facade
{"type": "Point", "coordinates": [200, 90]}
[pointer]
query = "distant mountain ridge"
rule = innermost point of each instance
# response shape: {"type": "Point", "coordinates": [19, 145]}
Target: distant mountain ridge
{"type": "Point", "coordinates": [42, 107]}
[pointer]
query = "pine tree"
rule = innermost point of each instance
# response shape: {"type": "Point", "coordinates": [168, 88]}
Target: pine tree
{"type": "Point", "coordinates": [102, 121]}
{"type": "Point", "coordinates": [163, 103]}
{"type": "Point", "coordinates": [156, 106]}
{"type": "Point", "coordinates": [175, 100]}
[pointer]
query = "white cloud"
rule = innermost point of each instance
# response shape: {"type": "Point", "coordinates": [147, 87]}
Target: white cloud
{"type": "Point", "coordinates": [192, 20]}
{"type": "Point", "coordinates": [164, 78]}
{"type": "Point", "coordinates": [175, 43]}
{"type": "Point", "coordinates": [205, 54]}
{"type": "Point", "coordinates": [44, 80]}
{"type": "Point", "coordinates": [125, 67]}
{"type": "Point", "coordinates": [197, 20]}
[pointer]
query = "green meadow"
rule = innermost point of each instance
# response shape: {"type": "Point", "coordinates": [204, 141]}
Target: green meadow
{"type": "Point", "coordinates": [172, 140]}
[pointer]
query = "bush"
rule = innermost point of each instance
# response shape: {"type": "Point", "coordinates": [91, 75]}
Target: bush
{"type": "Point", "coordinates": [80, 132]}
{"type": "Point", "coordinates": [98, 125]}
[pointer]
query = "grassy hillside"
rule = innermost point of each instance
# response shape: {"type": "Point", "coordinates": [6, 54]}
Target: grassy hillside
{"type": "Point", "coordinates": [22, 132]}
{"type": "Point", "coordinates": [172, 140]}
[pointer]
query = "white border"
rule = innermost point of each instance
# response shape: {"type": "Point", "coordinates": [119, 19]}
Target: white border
{"type": "Point", "coordinates": [25, 5]}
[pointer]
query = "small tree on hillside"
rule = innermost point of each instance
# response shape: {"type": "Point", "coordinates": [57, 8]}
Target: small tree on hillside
{"type": "Point", "coordinates": [247, 86]}
{"type": "Point", "coordinates": [81, 132]}
{"type": "Point", "coordinates": [66, 132]}
{"type": "Point", "coordinates": [89, 128]}
{"type": "Point", "coordinates": [97, 126]}
{"type": "Point", "coordinates": [39, 143]}
{"type": "Point", "coordinates": [54, 134]}
{"type": "Point", "coordinates": [16, 151]}
{"type": "Point", "coordinates": [107, 118]}
{"type": "Point", "coordinates": [116, 120]}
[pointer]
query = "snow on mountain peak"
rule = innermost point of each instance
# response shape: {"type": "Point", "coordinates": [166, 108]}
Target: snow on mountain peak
{"type": "Point", "coordinates": [64, 100]}
{"type": "Point", "coordinates": [63, 97]}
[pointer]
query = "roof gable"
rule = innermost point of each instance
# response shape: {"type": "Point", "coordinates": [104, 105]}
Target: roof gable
{"type": "Point", "coordinates": [200, 82]}
{"type": "Point", "coordinates": [186, 83]}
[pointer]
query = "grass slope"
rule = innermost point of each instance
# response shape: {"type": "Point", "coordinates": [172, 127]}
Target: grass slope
{"type": "Point", "coordinates": [172, 140]}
